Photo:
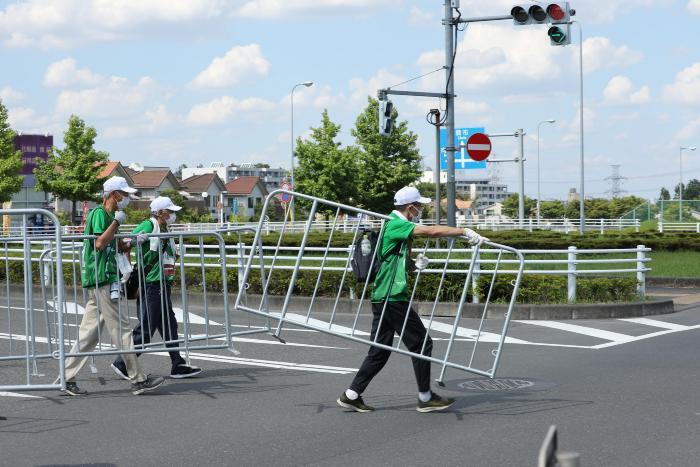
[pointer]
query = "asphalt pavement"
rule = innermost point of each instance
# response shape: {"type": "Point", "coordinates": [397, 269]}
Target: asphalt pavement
{"type": "Point", "coordinates": [621, 392]}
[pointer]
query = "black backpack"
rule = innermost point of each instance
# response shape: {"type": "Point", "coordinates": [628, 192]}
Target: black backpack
{"type": "Point", "coordinates": [361, 262]}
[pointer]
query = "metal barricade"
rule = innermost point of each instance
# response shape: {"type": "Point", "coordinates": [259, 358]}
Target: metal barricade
{"type": "Point", "coordinates": [29, 360]}
{"type": "Point", "coordinates": [471, 341]}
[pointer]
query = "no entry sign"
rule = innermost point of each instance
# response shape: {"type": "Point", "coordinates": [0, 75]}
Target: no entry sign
{"type": "Point", "coordinates": [479, 146]}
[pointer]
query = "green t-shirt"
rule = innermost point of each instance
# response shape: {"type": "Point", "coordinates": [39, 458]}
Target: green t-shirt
{"type": "Point", "coordinates": [150, 257]}
{"type": "Point", "coordinates": [99, 266]}
{"type": "Point", "coordinates": [393, 251]}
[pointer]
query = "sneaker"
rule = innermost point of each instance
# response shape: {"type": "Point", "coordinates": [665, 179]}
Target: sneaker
{"type": "Point", "coordinates": [185, 371]}
{"type": "Point", "coordinates": [120, 369]}
{"type": "Point", "coordinates": [358, 405]}
{"type": "Point", "coordinates": [151, 383]}
{"type": "Point", "coordinates": [435, 403]}
{"type": "Point", "coordinates": [72, 389]}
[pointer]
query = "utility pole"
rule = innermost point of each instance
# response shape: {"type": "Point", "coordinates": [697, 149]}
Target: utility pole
{"type": "Point", "coordinates": [436, 172]}
{"type": "Point", "coordinates": [450, 109]}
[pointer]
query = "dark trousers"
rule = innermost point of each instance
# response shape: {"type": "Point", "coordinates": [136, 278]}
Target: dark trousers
{"type": "Point", "coordinates": [413, 338]}
{"type": "Point", "coordinates": [152, 315]}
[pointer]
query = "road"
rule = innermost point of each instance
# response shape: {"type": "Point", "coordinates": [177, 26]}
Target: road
{"type": "Point", "coordinates": [621, 392]}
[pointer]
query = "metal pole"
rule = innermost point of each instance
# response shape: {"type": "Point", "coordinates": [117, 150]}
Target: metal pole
{"type": "Point", "coordinates": [521, 169]}
{"type": "Point", "coordinates": [680, 188]}
{"type": "Point", "coordinates": [582, 213]}
{"type": "Point", "coordinates": [291, 174]}
{"type": "Point", "coordinates": [436, 173]}
{"type": "Point", "coordinates": [450, 107]}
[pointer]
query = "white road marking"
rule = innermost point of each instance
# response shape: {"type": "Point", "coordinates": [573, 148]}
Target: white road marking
{"type": "Point", "coordinates": [577, 329]}
{"type": "Point", "coordinates": [656, 323]}
{"type": "Point", "coordinates": [645, 336]}
{"type": "Point", "coordinates": [470, 333]}
{"type": "Point", "coordinates": [193, 319]}
{"type": "Point", "coordinates": [269, 363]}
{"type": "Point", "coordinates": [16, 394]}
{"type": "Point", "coordinates": [294, 318]}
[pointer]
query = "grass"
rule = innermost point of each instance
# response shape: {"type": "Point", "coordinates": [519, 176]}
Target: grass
{"type": "Point", "coordinates": [675, 264]}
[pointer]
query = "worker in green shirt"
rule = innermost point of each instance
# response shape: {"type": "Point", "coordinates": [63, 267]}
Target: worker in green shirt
{"type": "Point", "coordinates": [154, 302]}
{"type": "Point", "coordinates": [390, 295]}
{"type": "Point", "coordinates": [99, 271]}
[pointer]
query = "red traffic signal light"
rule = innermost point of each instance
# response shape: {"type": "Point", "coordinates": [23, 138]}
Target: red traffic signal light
{"type": "Point", "coordinates": [558, 13]}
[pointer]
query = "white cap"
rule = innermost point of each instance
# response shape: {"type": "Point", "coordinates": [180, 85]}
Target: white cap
{"type": "Point", "coordinates": [117, 184]}
{"type": "Point", "coordinates": [163, 202]}
{"type": "Point", "coordinates": [409, 195]}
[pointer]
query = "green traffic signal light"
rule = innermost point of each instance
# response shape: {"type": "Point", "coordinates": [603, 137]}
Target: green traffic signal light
{"type": "Point", "coordinates": [557, 35]}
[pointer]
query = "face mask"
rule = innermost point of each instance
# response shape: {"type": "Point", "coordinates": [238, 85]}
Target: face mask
{"type": "Point", "coordinates": [415, 219]}
{"type": "Point", "coordinates": [170, 219]}
{"type": "Point", "coordinates": [124, 202]}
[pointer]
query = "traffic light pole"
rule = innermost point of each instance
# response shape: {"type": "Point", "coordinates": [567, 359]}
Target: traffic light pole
{"type": "Point", "coordinates": [449, 23]}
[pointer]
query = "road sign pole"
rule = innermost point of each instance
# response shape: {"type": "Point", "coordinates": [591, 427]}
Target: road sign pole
{"type": "Point", "coordinates": [450, 107]}
{"type": "Point", "coordinates": [521, 169]}
{"type": "Point", "coordinates": [436, 174]}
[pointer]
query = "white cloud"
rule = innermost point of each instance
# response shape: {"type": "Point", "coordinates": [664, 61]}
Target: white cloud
{"type": "Point", "coordinates": [620, 90]}
{"type": "Point", "coordinates": [160, 117]}
{"type": "Point", "coordinates": [21, 118]}
{"type": "Point", "coordinates": [267, 9]}
{"type": "Point", "coordinates": [694, 6]}
{"type": "Point", "coordinates": [9, 95]}
{"type": "Point", "coordinates": [599, 53]}
{"type": "Point", "coordinates": [418, 17]}
{"type": "Point", "coordinates": [65, 73]}
{"type": "Point", "coordinates": [223, 109]}
{"type": "Point", "coordinates": [360, 88]}
{"type": "Point", "coordinates": [239, 63]}
{"type": "Point", "coordinates": [689, 130]}
{"type": "Point", "coordinates": [62, 23]}
{"type": "Point", "coordinates": [115, 98]}
{"type": "Point", "coordinates": [686, 88]}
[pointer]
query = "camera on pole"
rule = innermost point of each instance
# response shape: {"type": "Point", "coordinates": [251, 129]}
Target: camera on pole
{"type": "Point", "coordinates": [386, 121]}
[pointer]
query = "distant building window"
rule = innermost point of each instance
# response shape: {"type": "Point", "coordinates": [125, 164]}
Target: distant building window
{"type": "Point", "coordinates": [250, 203]}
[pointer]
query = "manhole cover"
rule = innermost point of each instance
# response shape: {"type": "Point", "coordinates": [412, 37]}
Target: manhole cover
{"type": "Point", "coordinates": [498, 384]}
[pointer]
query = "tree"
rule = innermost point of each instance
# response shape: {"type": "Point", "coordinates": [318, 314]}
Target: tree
{"type": "Point", "coordinates": [552, 209]}
{"type": "Point", "coordinates": [665, 195]}
{"type": "Point", "coordinates": [10, 159]}
{"type": "Point", "coordinates": [692, 189]}
{"type": "Point", "coordinates": [511, 205]}
{"type": "Point", "coordinates": [385, 163]}
{"type": "Point", "coordinates": [178, 172]}
{"type": "Point", "coordinates": [325, 169]}
{"type": "Point", "coordinates": [73, 173]}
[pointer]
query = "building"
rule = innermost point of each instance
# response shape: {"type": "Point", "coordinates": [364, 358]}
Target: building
{"type": "Point", "coordinates": [207, 188]}
{"type": "Point", "coordinates": [33, 148]}
{"type": "Point", "coordinates": [152, 181]}
{"type": "Point", "coordinates": [218, 168]}
{"type": "Point", "coordinates": [483, 191]}
{"type": "Point", "coordinates": [243, 195]}
{"type": "Point", "coordinates": [271, 177]}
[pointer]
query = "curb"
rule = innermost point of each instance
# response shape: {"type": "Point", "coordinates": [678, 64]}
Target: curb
{"type": "Point", "coordinates": [674, 282]}
{"type": "Point", "coordinates": [300, 305]}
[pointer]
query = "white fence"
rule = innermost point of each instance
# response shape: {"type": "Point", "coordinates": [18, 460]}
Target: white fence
{"type": "Point", "coordinates": [679, 227]}
{"type": "Point", "coordinates": [614, 261]}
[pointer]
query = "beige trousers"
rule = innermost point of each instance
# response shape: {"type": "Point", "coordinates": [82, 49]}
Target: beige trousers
{"type": "Point", "coordinates": [94, 324]}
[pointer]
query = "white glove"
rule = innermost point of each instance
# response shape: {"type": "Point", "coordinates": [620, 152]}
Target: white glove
{"type": "Point", "coordinates": [141, 238]}
{"type": "Point", "coordinates": [120, 217]}
{"type": "Point", "coordinates": [421, 262]}
{"type": "Point", "coordinates": [473, 237]}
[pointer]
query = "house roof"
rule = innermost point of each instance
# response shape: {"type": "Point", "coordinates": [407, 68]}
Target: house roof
{"type": "Point", "coordinates": [201, 183]}
{"type": "Point", "coordinates": [459, 204]}
{"type": "Point", "coordinates": [245, 186]}
{"type": "Point", "coordinates": [115, 168]}
{"type": "Point", "coordinates": [152, 178]}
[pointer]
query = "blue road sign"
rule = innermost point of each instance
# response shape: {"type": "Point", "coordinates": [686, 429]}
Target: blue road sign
{"type": "Point", "coordinates": [462, 159]}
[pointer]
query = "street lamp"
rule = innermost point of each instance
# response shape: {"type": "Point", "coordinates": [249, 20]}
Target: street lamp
{"type": "Point", "coordinates": [680, 186]}
{"type": "Point", "coordinates": [291, 180]}
{"type": "Point", "coordinates": [551, 120]}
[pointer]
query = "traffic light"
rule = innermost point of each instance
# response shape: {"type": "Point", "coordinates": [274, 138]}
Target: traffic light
{"type": "Point", "coordinates": [386, 121]}
{"type": "Point", "coordinates": [551, 13]}
{"type": "Point", "coordinates": [560, 34]}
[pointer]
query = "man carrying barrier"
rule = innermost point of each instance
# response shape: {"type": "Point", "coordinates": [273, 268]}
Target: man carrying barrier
{"type": "Point", "coordinates": [390, 302]}
{"type": "Point", "coordinates": [99, 272]}
{"type": "Point", "coordinates": [154, 300]}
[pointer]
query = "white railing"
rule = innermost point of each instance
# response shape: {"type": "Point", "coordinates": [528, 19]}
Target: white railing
{"type": "Point", "coordinates": [679, 227]}
{"type": "Point", "coordinates": [618, 261]}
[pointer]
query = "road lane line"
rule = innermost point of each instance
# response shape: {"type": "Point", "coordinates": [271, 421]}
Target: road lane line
{"type": "Point", "coordinates": [656, 323]}
{"type": "Point", "coordinates": [577, 329]}
{"type": "Point", "coordinates": [470, 333]}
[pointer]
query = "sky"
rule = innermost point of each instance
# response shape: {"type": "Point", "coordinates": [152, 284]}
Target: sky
{"type": "Point", "coordinates": [167, 82]}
